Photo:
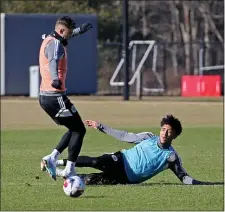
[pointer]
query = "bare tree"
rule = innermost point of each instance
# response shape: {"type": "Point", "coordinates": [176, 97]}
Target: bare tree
{"type": "Point", "coordinates": [204, 9]}
{"type": "Point", "coordinates": [174, 24]}
{"type": "Point", "coordinates": [194, 46]}
{"type": "Point", "coordinates": [206, 35]}
{"type": "Point", "coordinates": [185, 30]}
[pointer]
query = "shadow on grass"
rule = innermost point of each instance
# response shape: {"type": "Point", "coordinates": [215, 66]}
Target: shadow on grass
{"type": "Point", "coordinates": [93, 197]}
{"type": "Point", "coordinates": [178, 184]}
{"type": "Point", "coordinates": [161, 184]}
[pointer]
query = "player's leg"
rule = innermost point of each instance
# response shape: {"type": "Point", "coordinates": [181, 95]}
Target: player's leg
{"type": "Point", "coordinates": [84, 161]}
{"type": "Point", "coordinates": [55, 107]}
{"type": "Point", "coordinates": [70, 118]}
{"type": "Point", "coordinates": [102, 178]}
{"type": "Point", "coordinates": [51, 106]}
{"type": "Point", "coordinates": [64, 142]}
{"type": "Point", "coordinates": [111, 164]}
{"type": "Point", "coordinates": [101, 163]}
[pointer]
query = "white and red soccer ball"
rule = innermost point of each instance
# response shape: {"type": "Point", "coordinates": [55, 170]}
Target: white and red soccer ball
{"type": "Point", "coordinates": [74, 186]}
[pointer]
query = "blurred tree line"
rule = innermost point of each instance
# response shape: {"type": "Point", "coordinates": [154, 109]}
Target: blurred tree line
{"type": "Point", "coordinates": [170, 21]}
{"type": "Point", "coordinates": [108, 12]}
{"type": "Point", "coordinates": [165, 21]}
{"type": "Point", "coordinates": [187, 23]}
{"type": "Point", "coordinates": [185, 26]}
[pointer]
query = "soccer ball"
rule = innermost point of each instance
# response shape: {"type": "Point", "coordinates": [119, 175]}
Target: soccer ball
{"type": "Point", "coordinates": [74, 186]}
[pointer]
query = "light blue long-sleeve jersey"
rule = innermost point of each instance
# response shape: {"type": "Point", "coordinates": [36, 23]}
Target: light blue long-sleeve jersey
{"type": "Point", "coordinates": [145, 160]}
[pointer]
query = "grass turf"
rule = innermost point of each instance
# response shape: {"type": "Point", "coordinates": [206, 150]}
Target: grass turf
{"type": "Point", "coordinates": [201, 149]}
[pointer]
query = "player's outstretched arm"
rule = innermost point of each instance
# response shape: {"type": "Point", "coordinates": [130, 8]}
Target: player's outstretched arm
{"type": "Point", "coordinates": [82, 29]}
{"type": "Point", "coordinates": [176, 166]}
{"type": "Point", "coordinates": [119, 134]}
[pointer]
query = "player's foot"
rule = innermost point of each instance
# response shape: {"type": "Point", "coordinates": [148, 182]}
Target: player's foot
{"type": "Point", "coordinates": [64, 173]}
{"type": "Point", "coordinates": [47, 164]}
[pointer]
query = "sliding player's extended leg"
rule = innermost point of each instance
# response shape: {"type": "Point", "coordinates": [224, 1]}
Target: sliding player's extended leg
{"type": "Point", "coordinates": [104, 162]}
{"type": "Point", "coordinates": [111, 165]}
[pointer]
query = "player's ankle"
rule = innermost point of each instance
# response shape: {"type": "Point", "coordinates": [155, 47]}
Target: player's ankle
{"type": "Point", "coordinates": [55, 155]}
{"type": "Point", "coordinates": [70, 167]}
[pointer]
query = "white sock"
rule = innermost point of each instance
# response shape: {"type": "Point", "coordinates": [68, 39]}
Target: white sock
{"type": "Point", "coordinates": [70, 166]}
{"type": "Point", "coordinates": [59, 163]}
{"type": "Point", "coordinates": [55, 155]}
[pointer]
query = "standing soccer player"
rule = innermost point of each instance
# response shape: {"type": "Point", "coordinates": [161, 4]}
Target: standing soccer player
{"type": "Point", "coordinates": [53, 99]}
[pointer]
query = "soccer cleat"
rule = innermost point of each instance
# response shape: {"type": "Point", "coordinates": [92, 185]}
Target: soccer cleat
{"type": "Point", "coordinates": [48, 165]}
{"type": "Point", "coordinates": [43, 166]}
{"type": "Point", "coordinates": [63, 173]}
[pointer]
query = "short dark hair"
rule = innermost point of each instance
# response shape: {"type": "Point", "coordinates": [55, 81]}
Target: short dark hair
{"type": "Point", "coordinates": [67, 22]}
{"type": "Point", "coordinates": [173, 122]}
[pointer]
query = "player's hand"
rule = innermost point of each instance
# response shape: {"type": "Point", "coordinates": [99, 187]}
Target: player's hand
{"type": "Point", "coordinates": [93, 124]}
{"type": "Point", "coordinates": [85, 27]}
{"type": "Point", "coordinates": [56, 84]}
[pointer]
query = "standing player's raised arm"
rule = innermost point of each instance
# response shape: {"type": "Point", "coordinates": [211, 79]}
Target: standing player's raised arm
{"type": "Point", "coordinates": [53, 52]}
{"type": "Point", "coordinates": [176, 166]}
{"type": "Point", "coordinates": [82, 29]}
{"type": "Point", "coordinates": [120, 134]}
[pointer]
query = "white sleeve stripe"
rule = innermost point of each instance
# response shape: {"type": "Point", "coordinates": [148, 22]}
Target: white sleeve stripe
{"type": "Point", "coordinates": [56, 49]}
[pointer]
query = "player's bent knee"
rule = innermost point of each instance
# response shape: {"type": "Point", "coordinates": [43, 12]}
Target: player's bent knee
{"type": "Point", "coordinates": [84, 130]}
{"type": "Point", "coordinates": [69, 133]}
{"type": "Point", "coordinates": [79, 129]}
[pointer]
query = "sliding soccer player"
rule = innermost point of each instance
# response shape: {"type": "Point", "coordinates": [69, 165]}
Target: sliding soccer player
{"type": "Point", "coordinates": [151, 155]}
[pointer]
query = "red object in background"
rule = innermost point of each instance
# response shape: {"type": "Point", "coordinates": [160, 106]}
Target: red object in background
{"type": "Point", "coordinates": [201, 86]}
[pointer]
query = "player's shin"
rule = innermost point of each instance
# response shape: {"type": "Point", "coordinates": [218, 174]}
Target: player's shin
{"type": "Point", "coordinates": [82, 161]}
{"type": "Point", "coordinates": [74, 150]}
{"type": "Point", "coordinates": [86, 161]}
{"type": "Point", "coordinates": [64, 142]}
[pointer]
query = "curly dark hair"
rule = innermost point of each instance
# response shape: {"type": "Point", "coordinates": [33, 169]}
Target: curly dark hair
{"type": "Point", "coordinates": [66, 21]}
{"type": "Point", "coordinates": [173, 122]}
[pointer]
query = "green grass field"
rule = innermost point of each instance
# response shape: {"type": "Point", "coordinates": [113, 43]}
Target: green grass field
{"type": "Point", "coordinates": [200, 147]}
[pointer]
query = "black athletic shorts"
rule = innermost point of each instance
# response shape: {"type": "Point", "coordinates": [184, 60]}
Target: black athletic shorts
{"type": "Point", "coordinates": [113, 166]}
{"type": "Point", "coordinates": [61, 110]}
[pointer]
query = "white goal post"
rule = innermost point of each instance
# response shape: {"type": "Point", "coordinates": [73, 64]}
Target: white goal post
{"type": "Point", "coordinates": [2, 54]}
{"type": "Point", "coordinates": [206, 68]}
{"type": "Point", "coordinates": [152, 46]}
